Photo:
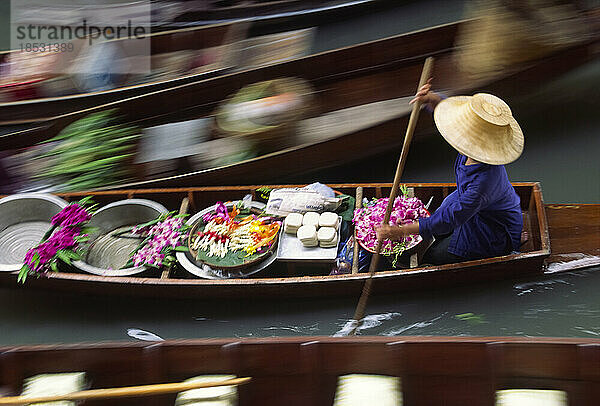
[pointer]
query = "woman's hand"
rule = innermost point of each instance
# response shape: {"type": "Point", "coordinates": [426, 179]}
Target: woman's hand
{"type": "Point", "coordinates": [387, 232]}
{"type": "Point", "coordinates": [426, 96]}
{"type": "Point", "coordinates": [395, 233]}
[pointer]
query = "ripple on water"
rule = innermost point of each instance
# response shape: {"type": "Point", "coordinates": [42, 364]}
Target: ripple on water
{"type": "Point", "coordinates": [539, 286]}
{"type": "Point", "coordinates": [420, 324]}
{"type": "Point", "coordinates": [143, 335]}
{"type": "Point", "coordinates": [369, 322]}
{"type": "Point", "coordinates": [304, 330]}
{"type": "Point", "coordinates": [595, 332]}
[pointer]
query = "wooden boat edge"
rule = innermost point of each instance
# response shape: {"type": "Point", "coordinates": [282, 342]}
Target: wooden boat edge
{"type": "Point", "coordinates": [303, 340]}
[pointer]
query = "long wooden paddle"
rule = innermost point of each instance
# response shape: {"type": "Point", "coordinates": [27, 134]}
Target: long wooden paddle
{"type": "Point", "coordinates": [412, 123]}
{"type": "Point", "coordinates": [130, 391]}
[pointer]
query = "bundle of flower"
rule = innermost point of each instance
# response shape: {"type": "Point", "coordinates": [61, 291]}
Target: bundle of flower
{"type": "Point", "coordinates": [62, 241]}
{"type": "Point", "coordinates": [405, 211]}
{"type": "Point", "coordinates": [92, 152]}
{"type": "Point", "coordinates": [225, 232]}
{"type": "Point", "coordinates": [162, 238]}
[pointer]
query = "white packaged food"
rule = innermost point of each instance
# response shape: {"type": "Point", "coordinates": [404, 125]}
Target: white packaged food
{"type": "Point", "coordinates": [326, 234]}
{"type": "Point", "coordinates": [292, 223]}
{"type": "Point", "coordinates": [328, 237]}
{"type": "Point", "coordinates": [311, 219]}
{"type": "Point", "coordinates": [289, 200]}
{"type": "Point", "coordinates": [308, 236]}
{"type": "Point", "coordinates": [329, 219]}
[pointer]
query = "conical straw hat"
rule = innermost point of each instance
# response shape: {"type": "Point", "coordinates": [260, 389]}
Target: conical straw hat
{"type": "Point", "coordinates": [481, 127]}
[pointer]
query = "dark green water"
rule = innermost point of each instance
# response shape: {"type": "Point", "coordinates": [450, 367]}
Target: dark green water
{"type": "Point", "coordinates": [561, 125]}
{"type": "Point", "coordinates": [566, 306]}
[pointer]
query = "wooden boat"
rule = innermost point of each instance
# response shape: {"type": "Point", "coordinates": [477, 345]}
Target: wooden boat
{"type": "Point", "coordinates": [269, 12]}
{"type": "Point", "coordinates": [449, 371]}
{"type": "Point", "coordinates": [219, 47]}
{"type": "Point", "coordinates": [361, 95]}
{"type": "Point", "coordinates": [561, 238]}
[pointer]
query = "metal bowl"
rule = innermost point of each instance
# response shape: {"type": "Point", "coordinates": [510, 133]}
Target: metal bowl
{"type": "Point", "coordinates": [190, 264]}
{"type": "Point", "coordinates": [24, 219]}
{"type": "Point", "coordinates": [105, 254]}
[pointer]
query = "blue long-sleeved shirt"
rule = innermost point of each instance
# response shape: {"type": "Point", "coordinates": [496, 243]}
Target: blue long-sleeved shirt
{"type": "Point", "coordinates": [483, 214]}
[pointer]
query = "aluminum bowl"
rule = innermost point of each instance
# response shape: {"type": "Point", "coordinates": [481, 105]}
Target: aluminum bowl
{"type": "Point", "coordinates": [106, 254]}
{"type": "Point", "coordinates": [24, 219]}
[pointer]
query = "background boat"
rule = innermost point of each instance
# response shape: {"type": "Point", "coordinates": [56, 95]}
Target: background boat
{"type": "Point", "coordinates": [177, 57]}
{"type": "Point", "coordinates": [551, 247]}
{"type": "Point", "coordinates": [361, 95]}
{"type": "Point", "coordinates": [450, 371]}
{"type": "Point", "coordinates": [269, 13]}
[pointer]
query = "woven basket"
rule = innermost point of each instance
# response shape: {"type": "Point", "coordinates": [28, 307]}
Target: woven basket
{"type": "Point", "coordinates": [261, 133]}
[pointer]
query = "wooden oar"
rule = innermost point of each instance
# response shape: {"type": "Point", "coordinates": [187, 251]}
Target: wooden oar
{"type": "Point", "coordinates": [130, 391]}
{"type": "Point", "coordinates": [412, 123]}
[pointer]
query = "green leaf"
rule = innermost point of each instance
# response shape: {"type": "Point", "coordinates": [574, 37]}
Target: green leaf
{"type": "Point", "coordinates": [63, 256]}
{"type": "Point", "coordinates": [48, 233]}
{"type": "Point", "coordinates": [54, 266]}
{"type": "Point", "coordinates": [71, 254]}
{"type": "Point", "coordinates": [182, 248]}
{"type": "Point", "coordinates": [88, 230]}
{"type": "Point", "coordinates": [23, 272]}
{"type": "Point", "coordinates": [149, 224]}
{"type": "Point", "coordinates": [86, 200]}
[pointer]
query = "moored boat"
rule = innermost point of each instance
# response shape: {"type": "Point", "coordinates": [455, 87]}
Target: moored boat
{"type": "Point", "coordinates": [552, 246]}
{"type": "Point", "coordinates": [448, 371]}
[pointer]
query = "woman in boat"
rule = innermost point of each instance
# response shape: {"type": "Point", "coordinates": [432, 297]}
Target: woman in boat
{"type": "Point", "coordinates": [482, 218]}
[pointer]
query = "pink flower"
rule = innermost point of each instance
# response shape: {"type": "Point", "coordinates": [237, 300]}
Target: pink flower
{"type": "Point", "coordinates": [71, 215]}
{"type": "Point", "coordinates": [405, 211]}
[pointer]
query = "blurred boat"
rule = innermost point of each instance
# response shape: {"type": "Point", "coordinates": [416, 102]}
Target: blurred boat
{"type": "Point", "coordinates": [270, 12]}
{"type": "Point", "coordinates": [177, 57]}
{"type": "Point", "coordinates": [294, 371]}
{"type": "Point", "coordinates": [551, 247]}
{"type": "Point", "coordinates": [359, 108]}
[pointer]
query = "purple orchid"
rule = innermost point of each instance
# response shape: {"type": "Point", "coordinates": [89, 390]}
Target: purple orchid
{"type": "Point", "coordinates": [71, 215]}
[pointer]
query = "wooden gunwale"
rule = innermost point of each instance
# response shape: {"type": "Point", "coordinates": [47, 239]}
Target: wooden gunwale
{"type": "Point", "coordinates": [434, 370]}
{"type": "Point", "coordinates": [516, 266]}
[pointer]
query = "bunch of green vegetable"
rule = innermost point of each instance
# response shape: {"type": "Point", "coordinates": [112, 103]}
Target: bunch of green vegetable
{"type": "Point", "coordinates": [90, 153]}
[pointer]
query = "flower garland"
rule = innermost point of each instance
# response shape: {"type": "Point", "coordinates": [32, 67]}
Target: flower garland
{"type": "Point", "coordinates": [62, 240]}
{"type": "Point", "coordinates": [162, 238]}
{"type": "Point", "coordinates": [405, 211]}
